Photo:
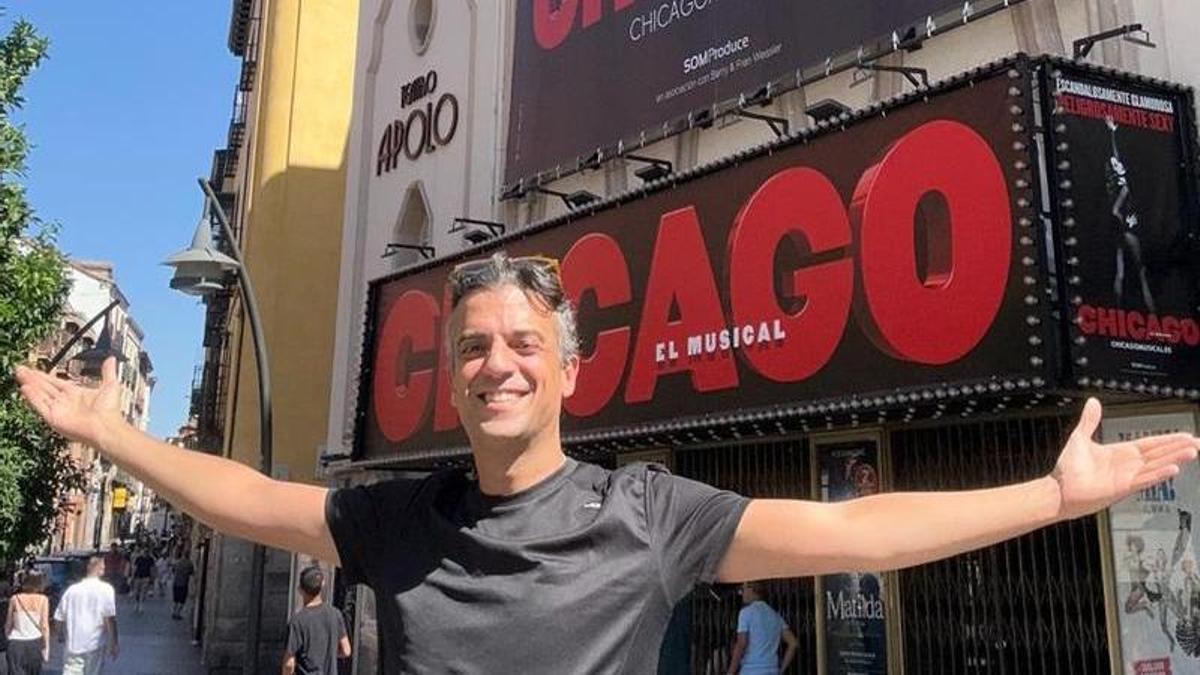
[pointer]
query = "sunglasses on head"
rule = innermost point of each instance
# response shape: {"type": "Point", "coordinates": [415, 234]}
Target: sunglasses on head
{"type": "Point", "coordinates": [541, 262]}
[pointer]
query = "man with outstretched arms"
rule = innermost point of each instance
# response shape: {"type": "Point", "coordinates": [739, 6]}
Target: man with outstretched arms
{"type": "Point", "coordinates": [543, 564]}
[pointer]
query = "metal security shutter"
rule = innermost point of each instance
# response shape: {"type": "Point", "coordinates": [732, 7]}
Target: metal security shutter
{"type": "Point", "coordinates": [775, 469]}
{"type": "Point", "coordinates": [1031, 605]}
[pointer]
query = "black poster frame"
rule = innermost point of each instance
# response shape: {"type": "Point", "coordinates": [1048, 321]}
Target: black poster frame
{"type": "Point", "coordinates": [1086, 366]}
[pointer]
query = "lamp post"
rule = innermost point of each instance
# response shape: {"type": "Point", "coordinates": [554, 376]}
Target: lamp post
{"type": "Point", "coordinates": [86, 355]}
{"type": "Point", "coordinates": [92, 361]}
{"type": "Point", "coordinates": [201, 270]}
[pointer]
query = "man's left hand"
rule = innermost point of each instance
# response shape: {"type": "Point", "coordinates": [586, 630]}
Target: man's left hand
{"type": "Point", "coordinates": [1091, 476]}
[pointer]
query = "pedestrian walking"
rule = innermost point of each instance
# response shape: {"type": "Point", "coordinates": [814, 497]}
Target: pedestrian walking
{"type": "Point", "coordinates": [143, 573]}
{"type": "Point", "coordinates": [27, 626]}
{"type": "Point", "coordinates": [181, 576]}
{"type": "Point", "coordinates": [115, 562]}
{"type": "Point", "coordinates": [88, 610]}
{"type": "Point", "coordinates": [162, 573]}
{"type": "Point", "coordinates": [317, 633]}
{"type": "Point", "coordinates": [759, 631]}
{"type": "Point", "coordinates": [581, 563]}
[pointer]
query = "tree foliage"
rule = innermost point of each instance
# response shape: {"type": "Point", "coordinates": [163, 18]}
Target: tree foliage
{"type": "Point", "coordinates": [35, 469]}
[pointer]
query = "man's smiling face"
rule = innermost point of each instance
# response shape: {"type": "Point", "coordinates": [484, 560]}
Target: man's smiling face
{"type": "Point", "coordinates": [508, 375]}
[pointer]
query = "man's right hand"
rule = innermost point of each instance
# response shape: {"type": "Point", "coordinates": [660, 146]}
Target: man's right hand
{"type": "Point", "coordinates": [79, 413]}
{"type": "Point", "coordinates": [222, 493]}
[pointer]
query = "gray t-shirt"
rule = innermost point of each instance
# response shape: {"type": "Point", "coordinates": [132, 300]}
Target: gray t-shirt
{"type": "Point", "coordinates": [313, 636]}
{"type": "Point", "coordinates": [577, 574]}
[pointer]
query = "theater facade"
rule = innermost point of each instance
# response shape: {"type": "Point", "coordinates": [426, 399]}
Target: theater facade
{"type": "Point", "coordinates": [917, 295]}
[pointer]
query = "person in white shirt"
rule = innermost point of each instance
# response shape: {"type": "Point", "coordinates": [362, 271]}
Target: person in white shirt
{"type": "Point", "coordinates": [89, 610]}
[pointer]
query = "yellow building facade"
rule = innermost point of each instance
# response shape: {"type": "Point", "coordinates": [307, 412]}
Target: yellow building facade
{"type": "Point", "coordinates": [281, 178]}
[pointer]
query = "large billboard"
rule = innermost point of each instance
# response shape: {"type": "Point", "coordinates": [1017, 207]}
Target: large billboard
{"type": "Point", "coordinates": [1121, 161]}
{"type": "Point", "coordinates": [589, 72]}
{"type": "Point", "coordinates": [898, 255]}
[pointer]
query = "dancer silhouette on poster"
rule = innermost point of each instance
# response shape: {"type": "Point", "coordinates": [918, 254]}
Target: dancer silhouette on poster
{"type": "Point", "coordinates": [1140, 597]}
{"type": "Point", "coordinates": [1129, 245]}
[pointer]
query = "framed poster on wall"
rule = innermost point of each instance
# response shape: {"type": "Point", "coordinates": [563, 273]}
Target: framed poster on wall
{"type": "Point", "coordinates": [1154, 544]}
{"type": "Point", "coordinates": [853, 628]}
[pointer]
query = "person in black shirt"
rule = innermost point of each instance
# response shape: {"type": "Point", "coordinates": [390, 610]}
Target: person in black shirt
{"type": "Point", "coordinates": [182, 570]}
{"type": "Point", "coordinates": [316, 633]}
{"type": "Point", "coordinates": [537, 563]}
{"type": "Point", "coordinates": [143, 576]}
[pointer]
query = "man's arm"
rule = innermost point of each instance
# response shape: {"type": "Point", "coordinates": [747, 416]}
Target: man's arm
{"type": "Point", "coordinates": [343, 637]}
{"type": "Point", "coordinates": [59, 620]}
{"type": "Point", "coordinates": [45, 627]}
{"type": "Point", "coordinates": [222, 493]}
{"type": "Point", "coordinates": [789, 638]}
{"type": "Point", "coordinates": [110, 624]}
{"type": "Point", "coordinates": [289, 664]}
{"type": "Point", "coordinates": [739, 650]}
{"type": "Point", "coordinates": [784, 538]}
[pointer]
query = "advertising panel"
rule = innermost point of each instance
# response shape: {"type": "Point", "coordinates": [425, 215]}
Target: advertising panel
{"type": "Point", "coordinates": [1127, 224]}
{"type": "Point", "coordinates": [895, 256]}
{"type": "Point", "coordinates": [587, 72]}
{"type": "Point", "coordinates": [1155, 545]}
{"type": "Point", "coordinates": [854, 604]}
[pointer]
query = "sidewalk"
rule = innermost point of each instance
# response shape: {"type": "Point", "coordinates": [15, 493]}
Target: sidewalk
{"type": "Point", "coordinates": [151, 643]}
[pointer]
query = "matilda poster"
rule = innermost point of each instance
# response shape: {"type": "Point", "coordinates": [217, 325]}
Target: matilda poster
{"type": "Point", "coordinates": [855, 625]}
{"type": "Point", "coordinates": [1155, 546]}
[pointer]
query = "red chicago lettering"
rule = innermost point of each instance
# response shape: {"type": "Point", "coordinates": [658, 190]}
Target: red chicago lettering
{"type": "Point", "coordinates": [799, 206]}
{"type": "Point", "coordinates": [445, 415]}
{"type": "Point", "coordinates": [401, 395]}
{"type": "Point", "coordinates": [1134, 325]}
{"type": "Point", "coordinates": [596, 264]}
{"type": "Point", "coordinates": [1087, 319]}
{"type": "Point", "coordinates": [551, 23]}
{"type": "Point", "coordinates": [1170, 329]}
{"type": "Point", "coordinates": [553, 20]}
{"type": "Point", "coordinates": [939, 319]}
{"type": "Point", "coordinates": [1191, 332]}
{"type": "Point", "coordinates": [680, 277]}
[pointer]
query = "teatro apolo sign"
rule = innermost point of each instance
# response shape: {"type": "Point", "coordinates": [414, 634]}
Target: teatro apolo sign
{"type": "Point", "coordinates": [424, 129]}
{"type": "Point", "coordinates": [879, 258]}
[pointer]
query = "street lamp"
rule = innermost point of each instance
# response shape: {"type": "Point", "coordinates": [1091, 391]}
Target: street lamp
{"type": "Point", "coordinates": [95, 355]}
{"type": "Point", "coordinates": [92, 361]}
{"type": "Point", "coordinates": [201, 270]}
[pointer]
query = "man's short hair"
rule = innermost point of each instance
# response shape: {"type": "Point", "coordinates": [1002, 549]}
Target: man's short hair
{"type": "Point", "coordinates": [95, 563]}
{"type": "Point", "coordinates": [312, 579]}
{"type": "Point", "coordinates": [537, 277]}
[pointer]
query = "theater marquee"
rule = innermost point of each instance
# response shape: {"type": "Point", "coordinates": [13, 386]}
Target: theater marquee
{"type": "Point", "coordinates": [898, 255]}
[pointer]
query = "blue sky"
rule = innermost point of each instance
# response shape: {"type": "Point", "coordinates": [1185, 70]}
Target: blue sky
{"type": "Point", "coordinates": [124, 115]}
